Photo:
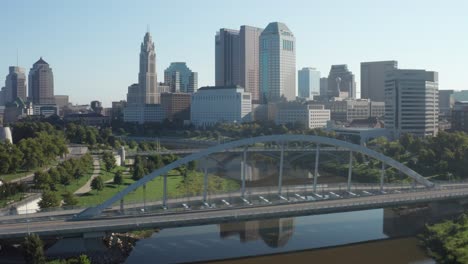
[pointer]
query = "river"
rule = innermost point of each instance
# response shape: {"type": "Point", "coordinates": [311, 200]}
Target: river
{"type": "Point", "coordinates": [371, 236]}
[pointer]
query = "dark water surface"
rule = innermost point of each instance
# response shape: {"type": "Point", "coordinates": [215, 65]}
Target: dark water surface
{"type": "Point", "coordinates": [305, 234]}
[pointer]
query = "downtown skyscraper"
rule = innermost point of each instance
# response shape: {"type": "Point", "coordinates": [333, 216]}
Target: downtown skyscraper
{"type": "Point", "coordinates": [277, 63]}
{"type": "Point", "coordinates": [15, 84]}
{"type": "Point", "coordinates": [41, 83]}
{"type": "Point", "coordinates": [309, 83]}
{"type": "Point", "coordinates": [373, 76]}
{"type": "Point", "coordinates": [180, 78]}
{"type": "Point", "coordinates": [147, 78]}
{"type": "Point", "coordinates": [341, 82]}
{"type": "Point", "coordinates": [237, 59]}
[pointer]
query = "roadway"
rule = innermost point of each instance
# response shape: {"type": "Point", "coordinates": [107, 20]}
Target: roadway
{"type": "Point", "coordinates": [63, 227]}
{"type": "Point", "coordinates": [236, 150]}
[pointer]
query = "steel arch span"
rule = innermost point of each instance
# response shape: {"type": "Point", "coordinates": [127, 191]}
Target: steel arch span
{"type": "Point", "coordinates": [95, 211]}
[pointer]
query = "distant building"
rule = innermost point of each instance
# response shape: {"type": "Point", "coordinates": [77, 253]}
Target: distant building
{"type": "Point", "coordinates": [96, 106]}
{"type": "Point", "coordinates": [412, 102]}
{"type": "Point", "coordinates": [446, 103]}
{"type": "Point", "coordinates": [147, 77]}
{"type": "Point", "coordinates": [460, 116]}
{"type": "Point", "coordinates": [277, 63]}
{"type": "Point", "coordinates": [61, 101]}
{"type": "Point", "coordinates": [41, 84]}
{"type": "Point", "coordinates": [351, 109]}
{"type": "Point", "coordinates": [341, 82]}
{"type": "Point", "coordinates": [324, 87]}
{"type": "Point", "coordinates": [308, 83]}
{"type": "Point", "coordinates": [150, 113]}
{"type": "Point", "coordinates": [15, 84]}
{"type": "Point", "coordinates": [180, 78]}
{"type": "Point", "coordinates": [45, 110]}
{"type": "Point", "coordinates": [220, 104]}
{"type": "Point", "coordinates": [2, 96]}
{"type": "Point", "coordinates": [461, 96]}
{"type": "Point", "coordinates": [311, 116]}
{"type": "Point", "coordinates": [373, 76]}
{"type": "Point", "coordinates": [118, 109]}
{"type": "Point", "coordinates": [89, 119]}
{"type": "Point", "coordinates": [16, 110]}
{"type": "Point", "coordinates": [176, 105]}
{"type": "Point", "coordinates": [237, 59]}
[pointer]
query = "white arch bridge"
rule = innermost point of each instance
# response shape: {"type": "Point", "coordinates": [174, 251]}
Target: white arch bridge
{"type": "Point", "coordinates": [281, 141]}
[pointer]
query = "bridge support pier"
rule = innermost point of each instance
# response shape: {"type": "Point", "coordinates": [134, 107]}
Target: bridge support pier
{"type": "Point", "coordinates": [243, 172]}
{"type": "Point", "coordinates": [280, 178]}
{"type": "Point", "coordinates": [317, 153]}
{"type": "Point", "coordinates": [122, 206]}
{"type": "Point", "coordinates": [350, 170]}
{"type": "Point", "coordinates": [165, 192]}
{"type": "Point", "coordinates": [205, 184]}
{"type": "Point", "coordinates": [382, 177]}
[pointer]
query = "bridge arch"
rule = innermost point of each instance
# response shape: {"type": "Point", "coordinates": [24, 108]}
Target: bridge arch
{"type": "Point", "coordinates": [94, 211]}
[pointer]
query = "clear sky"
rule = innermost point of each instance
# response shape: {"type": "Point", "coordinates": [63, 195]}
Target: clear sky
{"type": "Point", "coordinates": [93, 45]}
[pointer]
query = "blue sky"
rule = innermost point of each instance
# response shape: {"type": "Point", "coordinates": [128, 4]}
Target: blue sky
{"type": "Point", "coordinates": [93, 46]}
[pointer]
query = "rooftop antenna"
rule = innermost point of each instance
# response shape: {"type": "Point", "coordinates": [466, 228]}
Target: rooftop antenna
{"type": "Point", "coordinates": [17, 64]}
{"type": "Point", "coordinates": [148, 28]}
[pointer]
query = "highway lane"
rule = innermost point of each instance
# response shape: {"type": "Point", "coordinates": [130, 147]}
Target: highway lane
{"type": "Point", "coordinates": [253, 192]}
{"type": "Point", "coordinates": [211, 216]}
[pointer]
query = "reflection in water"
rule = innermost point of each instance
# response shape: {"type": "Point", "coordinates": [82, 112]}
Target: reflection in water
{"type": "Point", "coordinates": [317, 237]}
{"type": "Point", "coordinates": [274, 232]}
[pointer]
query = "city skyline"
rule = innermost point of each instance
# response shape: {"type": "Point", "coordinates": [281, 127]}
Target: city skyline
{"type": "Point", "coordinates": [104, 47]}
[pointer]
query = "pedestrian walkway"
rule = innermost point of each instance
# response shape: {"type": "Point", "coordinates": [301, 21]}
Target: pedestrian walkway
{"type": "Point", "coordinates": [96, 171]}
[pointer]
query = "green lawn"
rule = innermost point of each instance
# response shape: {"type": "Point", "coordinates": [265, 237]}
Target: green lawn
{"type": "Point", "coordinates": [75, 184]}
{"type": "Point", "coordinates": [23, 173]}
{"type": "Point", "coordinates": [154, 189]}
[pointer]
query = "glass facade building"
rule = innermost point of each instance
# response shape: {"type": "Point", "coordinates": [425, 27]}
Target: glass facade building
{"type": "Point", "coordinates": [277, 63]}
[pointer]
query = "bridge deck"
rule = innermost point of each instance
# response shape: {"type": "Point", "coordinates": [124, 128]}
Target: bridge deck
{"type": "Point", "coordinates": [212, 216]}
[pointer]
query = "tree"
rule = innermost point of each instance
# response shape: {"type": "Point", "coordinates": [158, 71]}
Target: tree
{"type": "Point", "coordinates": [33, 249]}
{"type": "Point", "coordinates": [42, 179]}
{"type": "Point", "coordinates": [192, 165]}
{"type": "Point", "coordinates": [118, 178]}
{"type": "Point", "coordinates": [109, 160]}
{"type": "Point", "coordinates": [69, 199]}
{"type": "Point", "coordinates": [138, 172]}
{"type": "Point", "coordinates": [49, 200]}
{"type": "Point", "coordinates": [97, 184]}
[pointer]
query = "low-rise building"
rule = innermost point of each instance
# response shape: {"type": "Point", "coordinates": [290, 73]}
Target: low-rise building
{"type": "Point", "coordinates": [460, 116]}
{"type": "Point", "coordinates": [176, 105]}
{"type": "Point", "coordinates": [220, 104]}
{"type": "Point", "coordinates": [348, 110]}
{"type": "Point", "coordinates": [150, 113]}
{"type": "Point", "coordinates": [309, 115]}
{"type": "Point", "coordinates": [90, 119]}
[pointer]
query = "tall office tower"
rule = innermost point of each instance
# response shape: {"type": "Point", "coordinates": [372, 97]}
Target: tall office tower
{"type": "Point", "coordinates": [147, 78]}
{"type": "Point", "coordinates": [341, 82]}
{"type": "Point", "coordinates": [309, 83]}
{"type": "Point", "coordinates": [237, 59]}
{"type": "Point", "coordinates": [180, 78]}
{"type": "Point", "coordinates": [41, 83]}
{"type": "Point", "coordinates": [412, 102]}
{"type": "Point", "coordinates": [227, 57]}
{"type": "Point", "coordinates": [324, 87]}
{"type": "Point", "coordinates": [277, 63]}
{"type": "Point", "coordinates": [373, 79]}
{"type": "Point", "coordinates": [15, 84]}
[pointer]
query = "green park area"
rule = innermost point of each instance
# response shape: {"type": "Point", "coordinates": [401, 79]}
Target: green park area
{"type": "Point", "coordinates": [177, 186]}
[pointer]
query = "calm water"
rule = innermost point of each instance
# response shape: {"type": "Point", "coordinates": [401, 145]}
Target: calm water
{"type": "Point", "coordinates": [279, 236]}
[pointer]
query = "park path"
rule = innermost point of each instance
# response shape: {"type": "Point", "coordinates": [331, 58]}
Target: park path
{"type": "Point", "coordinates": [96, 171]}
{"type": "Point", "coordinates": [126, 174]}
